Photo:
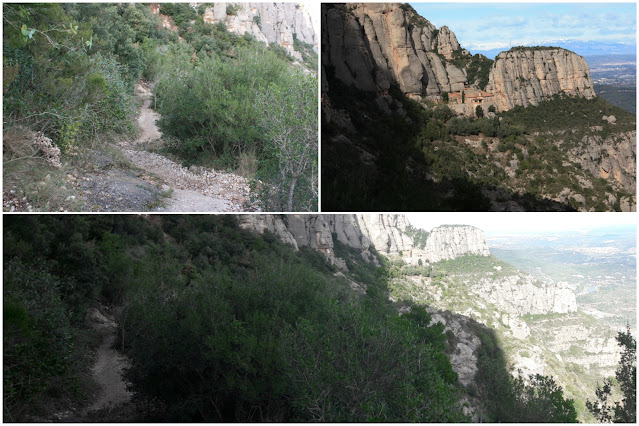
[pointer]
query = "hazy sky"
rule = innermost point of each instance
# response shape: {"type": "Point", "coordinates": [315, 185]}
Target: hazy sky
{"type": "Point", "coordinates": [498, 25]}
{"type": "Point", "coordinates": [511, 222]}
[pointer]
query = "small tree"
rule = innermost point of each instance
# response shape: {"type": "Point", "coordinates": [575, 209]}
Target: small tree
{"type": "Point", "coordinates": [479, 111]}
{"type": "Point", "coordinates": [463, 97]}
{"type": "Point", "coordinates": [492, 108]}
{"type": "Point", "coordinates": [625, 411]}
{"type": "Point", "coordinates": [445, 97]}
{"type": "Point", "coordinates": [288, 114]}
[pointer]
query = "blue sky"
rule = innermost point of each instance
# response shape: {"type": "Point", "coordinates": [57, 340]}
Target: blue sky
{"type": "Point", "coordinates": [482, 26]}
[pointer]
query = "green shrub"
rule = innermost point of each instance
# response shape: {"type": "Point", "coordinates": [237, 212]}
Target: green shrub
{"type": "Point", "coordinates": [211, 108]}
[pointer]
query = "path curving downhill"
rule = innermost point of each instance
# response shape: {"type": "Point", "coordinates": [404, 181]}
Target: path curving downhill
{"type": "Point", "coordinates": [109, 365]}
{"type": "Point", "coordinates": [188, 189]}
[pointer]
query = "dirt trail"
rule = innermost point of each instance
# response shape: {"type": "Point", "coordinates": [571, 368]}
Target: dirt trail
{"type": "Point", "coordinates": [108, 368]}
{"type": "Point", "coordinates": [190, 189]}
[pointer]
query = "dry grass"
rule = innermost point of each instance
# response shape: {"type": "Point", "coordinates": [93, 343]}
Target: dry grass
{"type": "Point", "coordinates": [247, 164]}
{"type": "Point", "coordinates": [29, 183]}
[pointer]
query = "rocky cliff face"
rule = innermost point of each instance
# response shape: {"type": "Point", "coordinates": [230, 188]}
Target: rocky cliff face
{"type": "Point", "coordinates": [385, 232]}
{"type": "Point", "coordinates": [450, 242]}
{"type": "Point", "coordinates": [267, 22]}
{"type": "Point", "coordinates": [526, 77]}
{"type": "Point", "coordinates": [371, 45]}
{"type": "Point", "coordinates": [612, 158]}
{"type": "Point", "coordinates": [521, 295]}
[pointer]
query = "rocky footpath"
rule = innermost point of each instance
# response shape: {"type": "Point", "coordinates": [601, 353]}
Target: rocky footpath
{"type": "Point", "coordinates": [194, 189]}
{"type": "Point", "coordinates": [530, 75]}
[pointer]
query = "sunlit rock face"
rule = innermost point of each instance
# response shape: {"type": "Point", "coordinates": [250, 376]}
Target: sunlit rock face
{"type": "Point", "coordinates": [526, 77]}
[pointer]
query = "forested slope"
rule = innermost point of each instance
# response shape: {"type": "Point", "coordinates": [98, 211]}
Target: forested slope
{"type": "Point", "coordinates": [222, 324]}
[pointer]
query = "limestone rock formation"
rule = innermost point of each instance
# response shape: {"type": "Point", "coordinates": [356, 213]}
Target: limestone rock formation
{"type": "Point", "coordinates": [528, 76]}
{"type": "Point", "coordinates": [449, 242]}
{"type": "Point", "coordinates": [463, 356]}
{"type": "Point", "coordinates": [259, 223]}
{"type": "Point", "coordinates": [612, 158]}
{"type": "Point", "coordinates": [521, 295]}
{"type": "Point", "coordinates": [385, 232]}
{"type": "Point", "coordinates": [371, 45]}
{"type": "Point", "coordinates": [446, 42]}
{"type": "Point", "coordinates": [374, 45]}
{"type": "Point", "coordinates": [267, 22]}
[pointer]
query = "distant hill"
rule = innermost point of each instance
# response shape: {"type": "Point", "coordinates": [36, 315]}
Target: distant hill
{"type": "Point", "coordinates": [583, 48]}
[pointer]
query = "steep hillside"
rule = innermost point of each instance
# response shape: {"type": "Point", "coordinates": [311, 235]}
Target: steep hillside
{"type": "Point", "coordinates": [287, 25]}
{"type": "Point", "coordinates": [287, 335]}
{"type": "Point", "coordinates": [449, 270]}
{"type": "Point", "coordinates": [411, 122]}
{"type": "Point", "coordinates": [169, 107]}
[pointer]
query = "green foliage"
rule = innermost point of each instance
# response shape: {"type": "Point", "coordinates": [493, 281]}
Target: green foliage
{"type": "Point", "coordinates": [211, 108]}
{"type": "Point", "coordinates": [478, 71]}
{"type": "Point", "coordinates": [567, 112]}
{"type": "Point", "coordinates": [232, 9]}
{"type": "Point", "coordinates": [386, 392]}
{"type": "Point", "coordinates": [624, 411]}
{"type": "Point", "coordinates": [287, 113]}
{"type": "Point", "coordinates": [473, 264]}
{"type": "Point", "coordinates": [120, 31]}
{"type": "Point", "coordinates": [419, 236]}
{"type": "Point", "coordinates": [283, 339]}
{"type": "Point", "coordinates": [533, 48]}
{"type": "Point", "coordinates": [309, 56]}
{"type": "Point", "coordinates": [38, 339]}
{"type": "Point", "coordinates": [536, 399]}
{"type": "Point", "coordinates": [479, 111]}
{"type": "Point", "coordinates": [65, 86]}
{"type": "Point", "coordinates": [541, 400]}
{"type": "Point", "coordinates": [182, 13]}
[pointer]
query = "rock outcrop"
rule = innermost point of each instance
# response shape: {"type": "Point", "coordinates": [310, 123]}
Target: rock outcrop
{"type": "Point", "coordinates": [612, 158]}
{"type": "Point", "coordinates": [521, 295]}
{"type": "Point", "coordinates": [449, 242]}
{"type": "Point", "coordinates": [374, 45]}
{"type": "Point", "coordinates": [387, 233]}
{"type": "Point", "coordinates": [267, 22]}
{"type": "Point", "coordinates": [463, 353]}
{"type": "Point", "coordinates": [530, 75]}
{"type": "Point", "coordinates": [371, 45]}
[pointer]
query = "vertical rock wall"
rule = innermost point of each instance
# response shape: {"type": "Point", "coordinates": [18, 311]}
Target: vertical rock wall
{"type": "Point", "coordinates": [526, 77]}
{"type": "Point", "coordinates": [267, 22]}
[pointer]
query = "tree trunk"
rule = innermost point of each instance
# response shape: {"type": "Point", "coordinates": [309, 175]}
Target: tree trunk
{"type": "Point", "coordinates": [291, 189]}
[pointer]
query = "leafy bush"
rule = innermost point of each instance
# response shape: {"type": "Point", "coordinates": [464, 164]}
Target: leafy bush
{"type": "Point", "coordinates": [624, 411]}
{"type": "Point", "coordinates": [535, 400]}
{"type": "Point", "coordinates": [38, 340]}
{"type": "Point", "coordinates": [210, 105]}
